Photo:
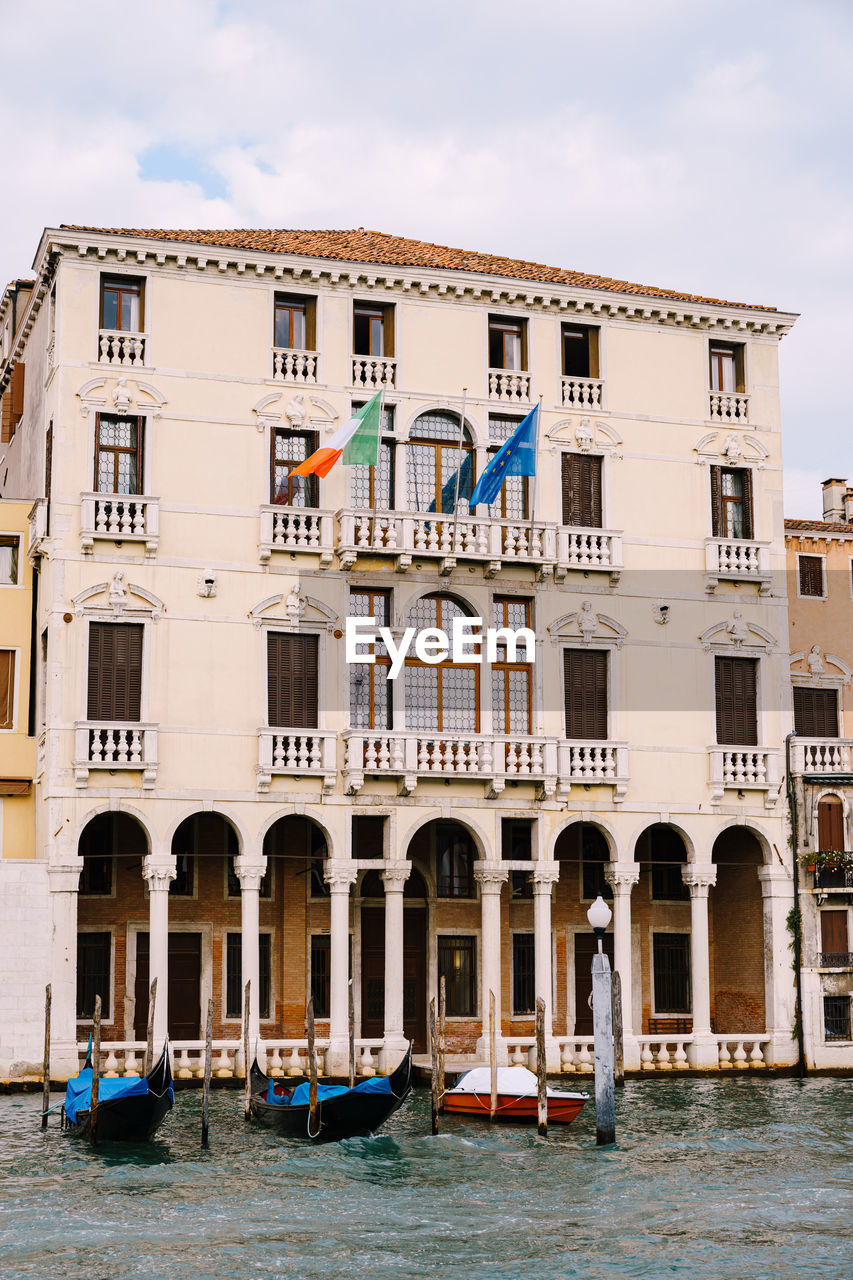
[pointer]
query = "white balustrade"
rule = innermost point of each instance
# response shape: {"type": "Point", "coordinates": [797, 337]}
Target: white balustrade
{"type": "Point", "coordinates": [822, 755]}
{"type": "Point", "coordinates": [665, 1052]}
{"type": "Point", "coordinates": [509, 387]}
{"type": "Point", "coordinates": [367, 1057]}
{"type": "Point", "coordinates": [412, 534]}
{"type": "Point", "coordinates": [598, 550]}
{"type": "Point", "coordinates": [122, 348]}
{"type": "Point", "coordinates": [290, 365]}
{"type": "Point", "coordinates": [593, 763]}
{"type": "Point", "coordinates": [521, 1053]}
{"type": "Point", "coordinates": [741, 1052]}
{"type": "Point", "coordinates": [119, 517]}
{"type": "Point", "coordinates": [410, 756]}
{"type": "Point", "coordinates": [582, 393]}
{"type": "Point", "coordinates": [127, 746]}
{"type": "Point", "coordinates": [744, 768]}
{"type": "Point", "coordinates": [300, 529]}
{"type": "Point", "coordinates": [368, 371]}
{"type": "Point", "coordinates": [737, 560]}
{"type": "Point", "coordinates": [299, 752]}
{"type": "Point", "coordinates": [728, 406]}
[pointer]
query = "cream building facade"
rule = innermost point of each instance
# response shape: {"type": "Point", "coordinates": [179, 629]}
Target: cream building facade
{"type": "Point", "coordinates": [219, 797]}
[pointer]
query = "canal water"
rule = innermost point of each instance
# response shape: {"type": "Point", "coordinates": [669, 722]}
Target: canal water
{"type": "Point", "coordinates": [747, 1178]}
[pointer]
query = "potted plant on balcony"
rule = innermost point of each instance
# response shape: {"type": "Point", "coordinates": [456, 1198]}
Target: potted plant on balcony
{"type": "Point", "coordinates": [828, 860]}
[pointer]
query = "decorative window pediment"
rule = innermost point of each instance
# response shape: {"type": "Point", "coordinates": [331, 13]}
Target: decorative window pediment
{"type": "Point", "coordinates": [730, 448]}
{"type": "Point", "coordinates": [590, 435]}
{"type": "Point", "coordinates": [294, 611]}
{"type": "Point", "coordinates": [120, 396]}
{"type": "Point", "coordinates": [588, 627]}
{"type": "Point", "coordinates": [118, 599]}
{"type": "Point", "coordinates": [737, 633]}
{"type": "Point", "coordinates": [300, 411]}
{"type": "Point", "coordinates": [819, 667]}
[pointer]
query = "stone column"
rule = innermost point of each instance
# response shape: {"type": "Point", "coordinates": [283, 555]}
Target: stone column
{"type": "Point", "coordinates": [340, 876]}
{"type": "Point", "coordinates": [250, 872]}
{"type": "Point", "coordinates": [64, 881]}
{"type": "Point", "coordinates": [703, 1051]}
{"type": "Point", "coordinates": [777, 891]}
{"type": "Point", "coordinates": [159, 871]}
{"type": "Point", "coordinates": [394, 878]}
{"type": "Point", "coordinates": [545, 876]}
{"type": "Point", "coordinates": [622, 879]}
{"type": "Point", "coordinates": [490, 876]}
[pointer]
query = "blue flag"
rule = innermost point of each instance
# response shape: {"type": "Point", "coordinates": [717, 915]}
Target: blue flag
{"type": "Point", "coordinates": [516, 458]}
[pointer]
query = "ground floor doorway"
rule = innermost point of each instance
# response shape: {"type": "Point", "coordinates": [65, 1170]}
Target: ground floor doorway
{"type": "Point", "coordinates": [414, 974]}
{"type": "Point", "coordinates": [184, 986]}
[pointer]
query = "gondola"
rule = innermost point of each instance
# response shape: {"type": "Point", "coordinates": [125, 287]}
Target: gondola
{"type": "Point", "coordinates": [130, 1108]}
{"type": "Point", "coordinates": [341, 1112]}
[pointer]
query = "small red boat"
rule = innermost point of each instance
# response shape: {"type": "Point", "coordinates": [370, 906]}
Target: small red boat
{"type": "Point", "coordinates": [471, 1095]}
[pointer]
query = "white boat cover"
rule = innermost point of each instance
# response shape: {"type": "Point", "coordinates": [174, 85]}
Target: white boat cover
{"type": "Point", "coordinates": [516, 1082]}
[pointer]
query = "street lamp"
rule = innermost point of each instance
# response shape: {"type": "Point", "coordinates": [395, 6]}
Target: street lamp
{"type": "Point", "coordinates": [599, 917]}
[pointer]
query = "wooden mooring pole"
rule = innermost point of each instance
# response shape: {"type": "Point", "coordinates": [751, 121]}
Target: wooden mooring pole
{"type": "Point", "coordinates": [96, 1071]}
{"type": "Point", "coordinates": [493, 1057]}
{"type": "Point", "coordinates": [149, 1040]}
{"type": "Point", "coordinates": [208, 1065]}
{"type": "Point", "coordinates": [618, 1058]}
{"type": "Point", "coordinates": [541, 1069]}
{"type": "Point", "coordinates": [45, 1096]}
{"type": "Point", "coordinates": [351, 1033]}
{"type": "Point", "coordinates": [247, 1098]}
{"type": "Point", "coordinates": [433, 1053]}
{"type": "Point", "coordinates": [442, 1041]}
{"type": "Point", "coordinates": [313, 1130]}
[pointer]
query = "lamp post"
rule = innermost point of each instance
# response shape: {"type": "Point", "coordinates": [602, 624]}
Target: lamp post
{"type": "Point", "coordinates": [599, 917]}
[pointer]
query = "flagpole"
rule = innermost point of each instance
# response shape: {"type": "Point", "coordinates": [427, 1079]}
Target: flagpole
{"type": "Point", "coordinates": [459, 465]}
{"type": "Point", "coordinates": [535, 468]}
{"type": "Point", "coordinates": [378, 454]}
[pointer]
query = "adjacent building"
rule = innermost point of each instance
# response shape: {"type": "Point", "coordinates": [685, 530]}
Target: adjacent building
{"type": "Point", "coordinates": [220, 797]}
{"type": "Point", "coordinates": [820, 576]}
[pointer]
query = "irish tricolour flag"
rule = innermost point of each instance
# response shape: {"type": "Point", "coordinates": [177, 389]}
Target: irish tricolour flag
{"type": "Point", "coordinates": [357, 441]}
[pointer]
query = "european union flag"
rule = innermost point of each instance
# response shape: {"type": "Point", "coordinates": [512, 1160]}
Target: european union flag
{"type": "Point", "coordinates": [516, 458]}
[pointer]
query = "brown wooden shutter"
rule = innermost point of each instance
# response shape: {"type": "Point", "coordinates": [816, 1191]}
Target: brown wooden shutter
{"type": "Point", "coordinates": [811, 575]}
{"type": "Point", "coordinates": [833, 932]}
{"type": "Point", "coordinates": [16, 386]}
{"type": "Point", "coordinates": [7, 687]}
{"type": "Point", "coordinates": [748, 523]}
{"type": "Point", "coordinates": [292, 688]}
{"type": "Point", "coordinates": [717, 529]}
{"type": "Point", "coordinates": [815, 712]}
{"type": "Point", "coordinates": [581, 489]}
{"type": "Point", "coordinates": [830, 823]}
{"type": "Point", "coordinates": [115, 671]}
{"type": "Point", "coordinates": [737, 706]}
{"type": "Point", "coordinates": [585, 689]}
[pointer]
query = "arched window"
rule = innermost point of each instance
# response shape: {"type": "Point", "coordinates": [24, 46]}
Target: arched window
{"type": "Point", "coordinates": [437, 461]}
{"type": "Point", "coordinates": [662, 849]}
{"type": "Point", "coordinates": [830, 824]}
{"type": "Point", "coordinates": [445, 697]}
{"type": "Point", "coordinates": [455, 854]}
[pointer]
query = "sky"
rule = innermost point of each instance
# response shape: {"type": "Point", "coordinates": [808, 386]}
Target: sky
{"type": "Point", "coordinates": [703, 148]}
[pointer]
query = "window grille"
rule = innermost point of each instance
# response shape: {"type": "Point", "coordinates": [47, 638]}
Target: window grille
{"type": "Point", "coordinates": [118, 456]}
{"type": "Point", "coordinates": [445, 697]}
{"type": "Point", "coordinates": [836, 1018]}
{"type": "Point", "coordinates": [369, 687]}
{"type": "Point", "coordinates": [672, 972]}
{"type": "Point", "coordinates": [434, 464]}
{"type": "Point", "coordinates": [93, 973]}
{"type": "Point", "coordinates": [523, 973]}
{"type": "Point", "coordinates": [457, 965]}
{"type": "Point", "coordinates": [234, 975]}
{"type": "Point", "coordinates": [289, 448]}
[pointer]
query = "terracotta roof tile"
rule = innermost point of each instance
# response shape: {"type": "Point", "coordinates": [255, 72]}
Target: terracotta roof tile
{"type": "Point", "coordinates": [379, 249]}
{"type": "Point", "coordinates": [819, 526]}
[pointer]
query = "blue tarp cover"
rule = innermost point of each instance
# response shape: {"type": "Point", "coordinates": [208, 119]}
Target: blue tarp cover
{"type": "Point", "coordinates": [78, 1091]}
{"type": "Point", "coordinates": [301, 1094]}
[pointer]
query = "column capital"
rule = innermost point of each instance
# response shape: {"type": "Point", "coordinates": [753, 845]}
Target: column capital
{"type": "Point", "coordinates": [699, 879]}
{"type": "Point", "coordinates": [249, 871]}
{"type": "Point", "coordinates": [775, 881]}
{"type": "Point", "coordinates": [490, 876]}
{"type": "Point", "coordinates": [621, 878]}
{"type": "Point", "coordinates": [339, 874]}
{"type": "Point", "coordinates": [64, 877]}
{"type": "Point", "coordinates": [158, 871]}
{"type": "Point", "coordinates": [394, 877]}
{"type": "Point", "coordinates": [545, 876]}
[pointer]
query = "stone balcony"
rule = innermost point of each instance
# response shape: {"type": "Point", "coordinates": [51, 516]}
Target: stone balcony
{"type": "Point", "coordinates": [296, 529]}
{"type": "Point", "coordinates": [290, 365]}
{"type": "Point", "coordinates": [589, 550]}
{"type": "Point", "coordinates": [119, 517]}
{"type": "Point", "coordinates": [582, 393]}
{"type": "Point", "coordinates": [296, 753]}
{"type": "Point", "coordinates": [509, 386]}
{"type": "Point", "coordinates": [120, 347]}
{"type": "Point", "coordinates": [737, 560]}
{"type": "Point", "coordinates": [37, 528]}
{"type": "Point", "coordinates": [728, 407]}
{"type": "Point", "coordinates": [743, 769]}
{"type": "Point", "coordinates": [409, 536]}
{"type": "Point", "coordinates": [372, 373]}
{"type": "Point", "coordinates": [824, 757]}
{"type": "Point", "coordinates": [117, 747]}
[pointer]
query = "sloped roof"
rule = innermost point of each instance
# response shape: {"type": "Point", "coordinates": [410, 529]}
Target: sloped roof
{"type": "Point", "coordinates": [380, 249]}
{"type": "Point", "coordinates": [818, 526]}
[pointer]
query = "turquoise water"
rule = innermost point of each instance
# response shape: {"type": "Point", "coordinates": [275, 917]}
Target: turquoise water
{"type": "Point", "coordinates": [735, 1178]}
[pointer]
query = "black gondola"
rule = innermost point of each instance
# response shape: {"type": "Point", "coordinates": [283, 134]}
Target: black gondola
{"type": "Point", "coordinates": [127, 1111]}
{"type": "Point", "coordinates": [351, 1113]}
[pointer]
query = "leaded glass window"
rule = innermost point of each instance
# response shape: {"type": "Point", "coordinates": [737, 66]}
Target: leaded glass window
{"type": "Point", "coordinates": [118, 455]}
{"type": "Point", "coordinates": [369, 687]}
{"type": "Point", "coordinates": [513, 500]}
{"type": "Point", "coordinates": [372, 488]}
{"type": "Point", "coordinates": [512, 682]}
{"type": "Point", "coordinates": [289, 448]}
{"type": "Point", "coordinates": [437, 462]}
{"type": "Point", "coordinates": [444, 697]}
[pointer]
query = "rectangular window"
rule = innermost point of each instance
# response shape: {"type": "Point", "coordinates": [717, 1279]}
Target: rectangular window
{"type": "Point", "coordinates": [512, 682]}
{"type": "Point", "coordinates": [585, 690]}
{"type": "Point", "coordinates": [507, 343]}
{"type": "Point", "coordinates": [93, 974]}
{"type": "Point", "coordinates": [523, 988]}
{"type": "Point", "coordinates": [580, 351]}
{"type": "Point", "coordinates": [836, 1017]}
{"type": "Point", "coordinates": [513, 501]}
{"type": "Point", "coordinates": [292, 686]}
{"type": "Point", "coordinates": [369, 687]}
{"type": "Point", "coordinates": [834, 943]}
{"type": "Point", "coordinates": [121, 304]}
{"type": "Point", "coordinates": [815, 712]}
{"type": "Point", "coordinates": [581, 491]}
{"type": "Point", "coordinates": [294, 322]}
{"type": "Point", "coordinates": [517, 846]}
{"type": "Point", "coordinates": [737, 702]}
{"type": "Point", "coordinates": [115, 671]}
{"type": "Point", "coordinates": [7, 688]}
{"type": "Point", "coordinates": [184, 882]}
{"type": "Point", "coordinates": [287, 449]}
{"type": "Point", "coordinates": [368, 836]}
{"type": "Point", "coordinates": [320, 973]}
{"type": "Point", "coordinates": [372, 330]}
{"type": "Point", "coordinates": [457, 964]}
{"type": "Point", "coordinates": [372, 488]}
{"type": "Point", "coordinates": [96, 878]}
{"type": "Point", "coordinates": [9, 552]}
{"type": "Point", "coordinates": [727, 366]}
{"type": "Point", "coordinates": [118, 454]}
{"type": "Point", "coordinates": [731, 502]}
{"type": "Point", "coordinates": [672, 972]}
{"type": "Point", "coordinates": [810, 571]}
{"type": "Point", "coordinates": [234, 974]}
